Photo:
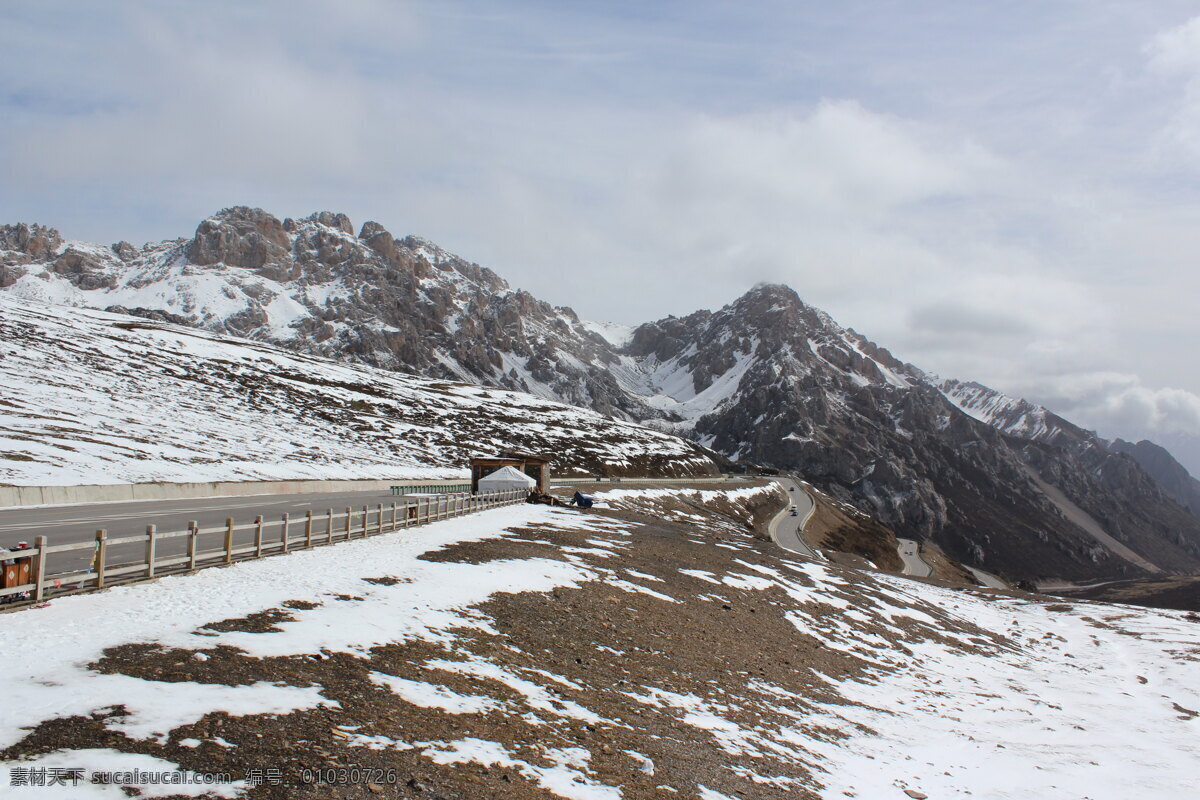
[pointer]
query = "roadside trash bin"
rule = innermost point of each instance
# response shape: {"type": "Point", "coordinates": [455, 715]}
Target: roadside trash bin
{"type": "Point", "coordinates": [17, 572]}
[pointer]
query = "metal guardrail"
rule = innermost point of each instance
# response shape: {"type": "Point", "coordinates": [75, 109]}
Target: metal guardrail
{"type": "Point", "coordinates": [437, 488]}
{"type": "Point", "coordinates": [260, 538]}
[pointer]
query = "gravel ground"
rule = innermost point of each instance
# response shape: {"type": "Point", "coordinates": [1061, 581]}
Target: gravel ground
{"type": "Point", "coordinates": [615, 656]}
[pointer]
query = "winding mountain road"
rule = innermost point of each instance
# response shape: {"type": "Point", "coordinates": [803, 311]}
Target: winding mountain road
{"type": "Point", "coordinates": [786, 530]}
{"type": "Point", "coordinates": [910, 554]}
{"type": "Point", "coordinates": [987, 579]}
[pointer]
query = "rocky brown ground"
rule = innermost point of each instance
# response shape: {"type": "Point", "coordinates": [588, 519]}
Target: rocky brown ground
{"type": "Point", "coordinates": [622, 666]}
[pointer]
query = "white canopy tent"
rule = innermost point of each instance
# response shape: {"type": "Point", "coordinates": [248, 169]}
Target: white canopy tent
{"type": "Point", "coordinates": [506, 478]}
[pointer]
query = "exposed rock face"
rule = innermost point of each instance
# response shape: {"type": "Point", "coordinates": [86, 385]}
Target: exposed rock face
{"type": "Point", "coordinates": [1168, 473]}
{"type": "Point", "coordinates": [152, 314]}
{"type": "Point", "coordinates": [811, 396]}
{"type": "Point", "coordinates": [240, 237]}
{"type": "Point", "coordinates": [766, 379]}
{"type": "Point", "coordinates": [125, 251]}
{"type": "Point", "coordinates": [36, 242]}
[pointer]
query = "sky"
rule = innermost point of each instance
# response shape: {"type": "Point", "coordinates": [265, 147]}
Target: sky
{"type": "Point", "coordinates": [1005, 192]}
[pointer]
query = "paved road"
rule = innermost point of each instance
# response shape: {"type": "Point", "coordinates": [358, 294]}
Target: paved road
{"type": "Point", "coordinates": [785, 529]}
{"type": "Point", "coordinates": [988, 579]}
{"type": "Point", "coordinates": [79, 523]}
{"type": "Point", "coordinates": [910, 554]}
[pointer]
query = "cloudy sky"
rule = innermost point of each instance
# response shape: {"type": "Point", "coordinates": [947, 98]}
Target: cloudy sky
{"type": "Point", "coordinates": [1007, 192]}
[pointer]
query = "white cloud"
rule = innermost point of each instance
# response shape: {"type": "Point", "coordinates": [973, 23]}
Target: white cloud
{"type": "Point", "coordinates": [984, 216]}
{"type": "Point", "coordinates": [1175, 54]}
{"type": "Point", "coordinates": [1177, 50]}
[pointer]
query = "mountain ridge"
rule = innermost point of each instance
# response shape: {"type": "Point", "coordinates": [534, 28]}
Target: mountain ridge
{"type": "Point", "coordinates": [766, 379]}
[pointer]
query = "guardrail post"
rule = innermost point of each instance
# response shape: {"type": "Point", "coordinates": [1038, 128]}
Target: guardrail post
{"type": "Point", "coordinates": [283, 532]}
{"type": "Point", "coordinates": [308, 529]}
{"type": "Point", "coordinates": [193, 539]}
{"type": "Point", "coordinates": [101, 556]}
{"type": "Point", "coordinates": [39, 569]}
{"type": "Point", "coordinates": [329, 526]}
{"type": "Point", "coordinates": [379, 522]}
{"type": "Point", "coordinates": [393, 528]}
{"type": "Point", "coordinates": [366, 513]}
{"type": "Point", "coordinates": [229, 540]}
{"type": "Point", "coordinates": [258, 536]}
{"type": "Point", "coordinates": [347, 523]}
{"type": "Point", "coordinates": [151, 532]}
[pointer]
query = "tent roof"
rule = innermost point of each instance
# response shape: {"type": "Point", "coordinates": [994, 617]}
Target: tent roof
{"type": "Point", "coordinates": [508, 475]}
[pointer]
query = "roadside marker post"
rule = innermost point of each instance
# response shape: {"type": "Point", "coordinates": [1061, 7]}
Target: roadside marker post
{"type": "Point", "coordinates": [39, 569]}
{"type": "Point", "coordinates": [101, 556]}
{"type": "Point", "coordinates": [151, 533]}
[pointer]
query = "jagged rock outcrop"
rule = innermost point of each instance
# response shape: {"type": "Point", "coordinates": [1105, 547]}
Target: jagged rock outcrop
{"type": "Point", "coordinates": [27, 243]}
{"type": "Point", "coordinates": [240, 237]}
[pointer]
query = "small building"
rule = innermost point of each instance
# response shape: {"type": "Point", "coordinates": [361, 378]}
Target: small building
{"type": "Point", "coordinates": [536, 467]}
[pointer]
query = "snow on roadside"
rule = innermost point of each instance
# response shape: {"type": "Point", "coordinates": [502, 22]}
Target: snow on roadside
{"type": "Point", "coordinates": [959, 694]}
{"type": "Point", "coordinates": [434, 598]}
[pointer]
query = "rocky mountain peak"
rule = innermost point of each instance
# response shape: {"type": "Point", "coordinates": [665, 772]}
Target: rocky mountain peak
{"type": "Point", "coordinates": [331, 219]}
{"type": "Point", "coordinates": [35, 241]}
{"type": "Point", "coordinates": [240, 237]}
{"type": "Point", "coordinates": [764, 291]}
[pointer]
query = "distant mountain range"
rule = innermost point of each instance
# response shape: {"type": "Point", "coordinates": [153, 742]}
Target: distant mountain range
{"type": "Point", "coordinates": [997, 482]}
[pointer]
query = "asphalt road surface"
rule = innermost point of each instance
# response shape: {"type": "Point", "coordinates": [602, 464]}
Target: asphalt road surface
{"type": "Point", "coordinates": [988, 579]}
{"type": "Point", "coordinates": [910, 554]}
{"type": "Point", "coordinates": [79, 523]}
{"type": "Point", "coordinates": [786, 529]}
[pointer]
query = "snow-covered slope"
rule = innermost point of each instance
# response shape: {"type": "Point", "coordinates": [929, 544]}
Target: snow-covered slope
{"type": "Point", "coordinates": [1010, 415]}
{"type": "Point", "coordinates": [550, 653]}
{"type": "Point", "coordinates": [314, 286]}
{"type": "Point", "coordinates": [94, 397]}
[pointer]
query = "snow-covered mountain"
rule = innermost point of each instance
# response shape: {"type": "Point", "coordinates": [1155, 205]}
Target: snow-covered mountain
{"type": "Point", "coordinates": [93, 397]}
{"type": "Point", "coordinates": [1009, 415]}
{"type": "Point", "coordinates": [997, 482]}
{"type": "Point", "coordinates": [313, 285]}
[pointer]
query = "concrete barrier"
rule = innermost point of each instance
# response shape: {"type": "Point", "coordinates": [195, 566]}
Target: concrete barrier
{"type": "Point", "coordinates": [12, 496]}
{"type": "Point", "coordinates": [16, 496]}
